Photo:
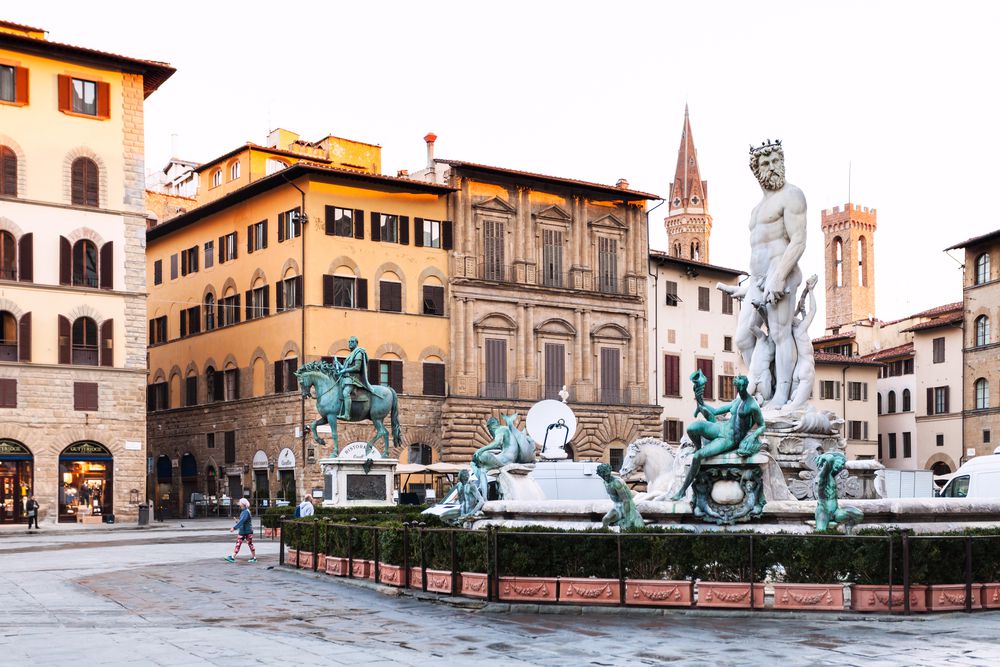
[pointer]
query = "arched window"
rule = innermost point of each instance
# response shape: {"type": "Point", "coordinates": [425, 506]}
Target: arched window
{"type": "Point", "coordinates": [8, 256]}
{"type": "Point", "coordinates": [209, 312]}
{"type": "Point", "coordinates": [234, 170]}
{"type": "Point", "coordinates": [211, 385]}
{"type": "Point", "coordinates": [85, 341]}
{"type": "Point", "coordinates": [85, 182]}
{"type": "Point", "coordinates": [906, 400]}
{"type": "Point", "coordinates": [982, 331]}
{"type": "Point", "coordinates": [420, 454]}
{"type": "Point", "coordinates": [880, 403]}
{"type": "Point", "coordinates": [85, 263]}
{"type": "Point", "coordinates": [8, 336]}
{"type": "Point", "coordinates": [8, 172]}
{"type": "Point", "coordinates": [216, 178]}
{"type": "Point", "coordinates": [982, 268]}
{"type": "Point", "coordinates": [677, 249]}
{"type": "Point", "coordinates": [982, 394]}
{"type": "Point", "coordinates": [838, 259]}
{"type": "Point", "coordinates": [862, 258]}
{"type": "Point", "coordinates": [892, 402]}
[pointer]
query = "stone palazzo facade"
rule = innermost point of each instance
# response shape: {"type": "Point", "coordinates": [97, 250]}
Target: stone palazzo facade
{"type": "Point", "coordinates": [547, 289]}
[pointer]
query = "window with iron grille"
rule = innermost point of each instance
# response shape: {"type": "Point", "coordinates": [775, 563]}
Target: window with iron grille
{"type": "Point", "coordinates": [615, 456]}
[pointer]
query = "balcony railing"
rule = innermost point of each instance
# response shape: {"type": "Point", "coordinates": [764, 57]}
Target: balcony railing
{"type": "Point", "coordinates": [85, 356]}
{"type": "Point", "coordinates": [609, 284]}
{"type": "Point", "coordinates": [495, 271]}
{"type": "Point", "coordinates": [613, 396]}
{"type": "Point", "coordinates": [8, 352]}
{"type": "Point", "coordinates": [87, 280]}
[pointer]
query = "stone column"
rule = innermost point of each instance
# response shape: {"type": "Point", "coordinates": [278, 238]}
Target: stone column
{"type": "Point", "coordinates": [529, 346]}
{"type": "Point", "coordinates": [520, 345]}
{"type": "Point", "coordinates": [578, 348]}
{"type": "Point", "coordinates": [643, 359]}
{"type": "Point", "coordinates": [588, 357]}
{"type": "Point", "coordinates": [470, 340]}
{"type": "Point", "coordinates": [517, 255]}
{"type": "Point", "coordinates": [457, 339]}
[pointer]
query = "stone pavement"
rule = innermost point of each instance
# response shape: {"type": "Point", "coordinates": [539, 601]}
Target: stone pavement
{"type": "Point", "coordinates": [167, 598]}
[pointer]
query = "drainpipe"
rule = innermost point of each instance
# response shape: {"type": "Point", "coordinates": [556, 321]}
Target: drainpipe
{"type": "Point", "coordinates": [656, 313]}
{"type": "Point", "coordinates": [303, 220]}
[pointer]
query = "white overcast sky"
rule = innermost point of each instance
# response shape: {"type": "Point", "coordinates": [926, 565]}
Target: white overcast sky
{"type": "Point", "coordinates": [905, 92]}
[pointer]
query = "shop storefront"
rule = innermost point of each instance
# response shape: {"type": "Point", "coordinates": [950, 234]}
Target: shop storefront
{"type": "Point", "coordinates": [286, 475]}
{"type": "Point", "coordinates": [261, 487]}
{"type": "Point", "coordinates": [189, 477]}
{"type": "Point", "coordinates": [86, 490]}
{"type": "Point", "coordinates": [16, 481]}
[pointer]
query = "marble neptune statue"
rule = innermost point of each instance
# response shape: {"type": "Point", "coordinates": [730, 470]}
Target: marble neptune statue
{"type": "Point", "coordinates": [777, 241]}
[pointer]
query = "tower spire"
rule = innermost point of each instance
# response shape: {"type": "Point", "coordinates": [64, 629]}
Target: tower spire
{"type": "Point", "coordinates": [688, 222]}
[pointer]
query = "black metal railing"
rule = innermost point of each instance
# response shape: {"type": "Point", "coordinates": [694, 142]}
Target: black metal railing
{"type": "Point", "coordinates": [903, 572]}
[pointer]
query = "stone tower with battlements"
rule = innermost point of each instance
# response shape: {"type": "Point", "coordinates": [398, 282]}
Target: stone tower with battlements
{"type": "Point", "coordinates": [688, 222]}
{"type": "Point", "coordinates": [849, 258]}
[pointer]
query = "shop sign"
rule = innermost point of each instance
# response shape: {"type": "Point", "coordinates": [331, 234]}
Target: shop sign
{"type": "Point", "coordinates": [356, 450]}
{"type": "Point", "coordinates": [286, 459]}
{"type": "Point", "coordinates": [86, 448]}
{"type": "Point", "coordinates": [13, 448]}
{"type": "Point", "coordinates": [260, 460]}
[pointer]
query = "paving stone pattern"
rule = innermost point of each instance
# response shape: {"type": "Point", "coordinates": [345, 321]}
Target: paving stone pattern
{"type": "Point", "coordinates": [168, 598]}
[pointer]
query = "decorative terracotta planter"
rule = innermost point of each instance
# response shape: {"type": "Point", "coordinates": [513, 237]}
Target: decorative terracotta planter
{"type": "Point", "coordinates": [659, 592]}
{"type": "Point", "coordinates": [361, 569]}
{"type": "Point", "coordinates": [272, 532]}
{"type": "Point", "coordinates": [951, 597]}
{"type": "Point", "coordinates": [528, 589]}
{"type": "Point", "coordinates": [305, 560]}
{"type": "Point", "coordinates": [439, 581]}
{"type": "Point", "coordinates": [589, 591]}
{"type": "Point", "coordinates": [290, 557]}
{"type": "Point", "coordinates": [729, 594]}
{"type": "Point", "coordinates": [415, 577]}
{"type": "Point", "coordinates": [991, 596]}
{"type": "Point", "coordinates": [391, 574]}
{"type": "Point", "coordinates": [336, 566]}
{"type": "Point", "coordinates": [826, 597]}
{"type": "Point", "coordinates": [473, 585]}
{"type": "Point", "coordinates": [866, 597]}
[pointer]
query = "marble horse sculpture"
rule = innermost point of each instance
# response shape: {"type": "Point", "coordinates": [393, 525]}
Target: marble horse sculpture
{"type": "Point", "coordinates": [327, 380]}
{"type": "Point", "coordinates": [663, 466]}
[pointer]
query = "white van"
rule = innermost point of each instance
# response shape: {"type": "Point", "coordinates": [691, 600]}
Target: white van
{"type": "Point", "coordinates": [977, 478]}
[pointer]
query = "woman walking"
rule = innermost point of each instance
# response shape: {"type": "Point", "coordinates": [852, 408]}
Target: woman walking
{"type": "Point", "coordinates": [244, 528]}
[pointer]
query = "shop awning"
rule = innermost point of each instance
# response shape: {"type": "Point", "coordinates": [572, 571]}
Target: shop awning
{"type": "Point", "coordinates": [410, 469]}
{"type": "Point", "coordinates": [447, 468]}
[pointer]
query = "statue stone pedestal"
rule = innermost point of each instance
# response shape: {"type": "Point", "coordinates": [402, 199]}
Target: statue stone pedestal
{"type": "Point", "coordinates": [729, 488]}
{"type": "Point", "coordinates": [347, 483]}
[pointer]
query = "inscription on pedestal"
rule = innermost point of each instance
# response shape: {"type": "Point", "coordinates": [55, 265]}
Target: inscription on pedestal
{"type": "Point", "coordinates": [366, 487]}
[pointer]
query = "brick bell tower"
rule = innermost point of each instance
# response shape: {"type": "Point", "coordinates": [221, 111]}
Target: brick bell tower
{"type": "Point", "coordinates": [688, 222]}
{"type": "Point", "coordinates": [849, 257]}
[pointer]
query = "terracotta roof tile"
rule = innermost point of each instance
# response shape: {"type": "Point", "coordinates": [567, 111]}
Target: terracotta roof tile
{"type": "Point", "coordinates": [635, 194]}
{"type": "Point", "coordinates": [976, 240]}
{"type": "Point", "coordinates": [938, 322]}
{"type": "Point", "coordinates": [904, 350]}
{"type": "Point", "coordinates": [836, 336]}
{"type": "Point", "coordinates": [827, 358]}
{"type": "Point", "coordinates": [664, 257]}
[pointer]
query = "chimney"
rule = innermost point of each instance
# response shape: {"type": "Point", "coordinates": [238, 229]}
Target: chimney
{"type": "Point", "coordinates": [403, 173]}
{"type": "Point", "coordinates": [622, 184]}
{"type": "Point", "coordinates": [430, 138]}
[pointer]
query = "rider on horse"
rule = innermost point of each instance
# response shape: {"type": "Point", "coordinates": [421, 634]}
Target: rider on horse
{"type": "Point", "coordinates": [354, 373]}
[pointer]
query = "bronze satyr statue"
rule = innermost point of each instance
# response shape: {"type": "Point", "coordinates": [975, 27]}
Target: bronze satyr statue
{"type": "Point", "coordinates": [623, 513]}
{"type": "Point", "coordinates": [829, 465]}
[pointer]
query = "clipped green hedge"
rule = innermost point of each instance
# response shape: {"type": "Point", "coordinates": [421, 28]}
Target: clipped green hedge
{"type": "Point", "coordinates": [657, 553]}
{"type": "Point", "coordinates": [363, 513]}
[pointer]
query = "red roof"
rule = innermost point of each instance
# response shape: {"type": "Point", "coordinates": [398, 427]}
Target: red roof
{"type": "Point", "coordinates": [976, 240]}
{"type": "Point", "coordinates": [21, 26]}
{"type": "Point", "coordinates": [264, 149]}
{"type": "Point", "coordinates": [938, 322]}
{"type": "Point", "coordinates": [154, 73]}
{"type": "Point", "coordinates": [904, 350]}
{"type": "Point", "coordinates": [662, 257]}
{"type": "Point", "coordinates": [632, 194]}
{"type": "Point", "coordinates": [836, 336]}
{"type": "Point", "coordinates": [839, 359]}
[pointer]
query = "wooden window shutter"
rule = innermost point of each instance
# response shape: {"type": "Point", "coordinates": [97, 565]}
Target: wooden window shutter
{"type": "Point", "coordinates": [279, 296]}
{"type": "Point", "coordinates": [418, 232]}
{"type": "Point", "coordinates": [947, 397]}
{"type": "Point", "coordinates": [21, 85]}
{"type": "Point", "coordinates": [249, 304]}
{"type": "Point", "coordinates": [362, 295]}
{"type": "Point", "coordinates": [65, 333]}
{"type": "Point", "coordinates": [103, 100]}
{"type": "Point", "coordinates": [446, 235]}
{"type": "Point", "coordinates": [193, 254]}
{"type": "Point", "coordinates": [705, 366]}
{"type": "Point", "coordinates": [184, 322]}
{"type": "Point", "coordinates": [299, 294]}
{"type": "Point", "coordinates": [930, 400]}
{"type": "Point", "coordinates": [267, 299]}
{"type": "Point", "coordinates": [218, 386]}
{"type": "Point", "coordinates": [191, 389]}
{"type": "Point", "coordinates": [65, 261]}
{"type": "Point", "coordinates": [376, 231]}
{"type": "Point", "coordinates": [249, 239]}
{"type": "Point", "coordinates": [265, 233]}
{"type": "Point", "coordinates": [26, 258]}
{"type": "Point", "coordinates": [236, 310]}
{"type": "Point", "coordinates": [222, 249]}
{"type": "Point", "coordinates": [65, 83]}
{"type": "Point", "coordinates": [330, 215]}
{"type": "Point", "coordinates": [173, 266]}
{"type": "Point", "coordinates": [282, 222]}
{"type": "Point", "coordinates": [92, 181]}
{"type": "Point", "coordinates": [396, 375]}
{"type": "Point", "coordinates": [108, 342]}
{"type": "Point", "coordinates": [359, 223]}
{"type": "Point", "coordinates": [24, 338]}
{"type": "Point", "coordinates": [373, 368]}
{"type": "Point", "coordinates": [8, 172]}
{"type": "Point", "coordinates": [671, 375]}
{"type": "Point", "coordinates": [279, 377]}
{"type": "Point", "coordinates": [236, 384]}
{"type": "Point", "coordinates": [184, 262]}
{"type": "Point", "coordinates": [108, 265]}
{"type": "Point", "coordinates": [327, 290]}
{"type": "Point", "coordinates": [404, 230]}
